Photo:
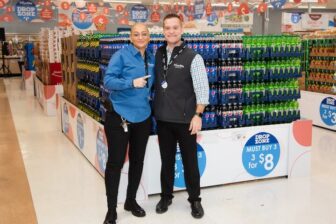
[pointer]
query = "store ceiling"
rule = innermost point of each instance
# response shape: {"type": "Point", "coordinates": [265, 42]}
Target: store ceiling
{"type": "Point", "coordinates": [331, 4]}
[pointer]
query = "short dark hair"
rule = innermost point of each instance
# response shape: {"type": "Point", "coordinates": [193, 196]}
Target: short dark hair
{"type": "Point", "coordinates": [169, 16]}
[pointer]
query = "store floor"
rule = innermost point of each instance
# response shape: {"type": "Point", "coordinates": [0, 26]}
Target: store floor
{"type": "Point", "coordinates": [66, 189]}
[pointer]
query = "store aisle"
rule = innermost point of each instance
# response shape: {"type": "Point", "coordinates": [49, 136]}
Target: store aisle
{"type": "Point", "coordinates": [15, 198]}
{"type": "Point", "coordinates": [66, 189]}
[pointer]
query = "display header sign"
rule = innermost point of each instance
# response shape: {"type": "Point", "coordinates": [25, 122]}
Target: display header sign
{"type": "Point", "coordinates": [139, 13]}
{"type": "Point", "coordinates": [26, 10]}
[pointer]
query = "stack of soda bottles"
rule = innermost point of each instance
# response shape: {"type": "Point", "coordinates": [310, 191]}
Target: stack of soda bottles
{"type": "Point", "coordinates": [321, 63]}
{"type": "Point", "coordinates": [272, 65]}
{"type": "Point", "coordinates": [88, 53]}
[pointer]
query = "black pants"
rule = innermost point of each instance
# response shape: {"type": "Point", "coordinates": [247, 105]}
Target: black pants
{"type": "Point", "coordinates": [169, 134]}
{"type": "Point", "coordinates": [117, 140]}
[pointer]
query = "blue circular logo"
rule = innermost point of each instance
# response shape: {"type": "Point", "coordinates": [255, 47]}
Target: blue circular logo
{"type": "Point", "coordinates": [26, 10]}
{"type": "Point", "coordinates": [102, 152]}
{"type": "Point", "coordinates": [277, 4]}
{"type": "Point", "coordinates": [80, 131]}
{"type": "Point", "coordinates": [65, 118]}
{"type": "Point", "coordinates": [295, 17]}
{"type": "Point", "coordinates": [82, 19]}
{"type": "Point", "coordinates": [179, 171]}
{"type": "Point", "coordinates": [139, 13]}
{"type": "Point", "coordinates": [261, 154]}
{"type": "Point", "coordinates": [328, 111]}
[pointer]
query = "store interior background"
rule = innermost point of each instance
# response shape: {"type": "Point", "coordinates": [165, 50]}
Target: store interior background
{"type": "Point", "coordinates": [65, 188]}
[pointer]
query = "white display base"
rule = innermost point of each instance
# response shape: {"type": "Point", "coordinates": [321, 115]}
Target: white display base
{"type": "Point", "coordinates": [46, 96]}
{"type": "Point", "coordinates": [315, 107]}
{"type": "Point", "coordinates": [225, 156]}
{"type": "Point", "coordinates": [28, 77]}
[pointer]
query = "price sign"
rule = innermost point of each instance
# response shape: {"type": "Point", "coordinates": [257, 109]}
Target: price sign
{"type": "Point", "coordinates": [328, 111]}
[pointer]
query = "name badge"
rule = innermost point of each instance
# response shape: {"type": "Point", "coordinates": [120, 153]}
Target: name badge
{"type": "Point", "coordinates": [164, 84]}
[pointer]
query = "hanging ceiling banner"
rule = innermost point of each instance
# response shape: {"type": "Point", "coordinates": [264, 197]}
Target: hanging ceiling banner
{"type": "Point", "coordinates": [26, 10]}
{"type": "Point", "coordinates": [198, 9]}
{"type": "Point", "coordinates": [139, 13]}
{"type": "Point", "coordinates": [277, 4]}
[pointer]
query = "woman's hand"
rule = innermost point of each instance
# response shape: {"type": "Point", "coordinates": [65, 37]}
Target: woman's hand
{"type": "Point", "coordinates": [140, 82]}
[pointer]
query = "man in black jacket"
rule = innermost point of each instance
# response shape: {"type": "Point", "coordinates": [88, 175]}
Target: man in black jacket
{"type": "Point", "coordinates": [181, 94]}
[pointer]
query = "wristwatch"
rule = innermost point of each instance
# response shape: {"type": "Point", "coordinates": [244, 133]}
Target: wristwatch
{"type": "Point", "coordinates": [199, 114]}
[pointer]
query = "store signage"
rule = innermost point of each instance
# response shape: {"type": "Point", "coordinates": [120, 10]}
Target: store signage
{"type": "Point", "coordinates": [80, 131]}
{"type": "Point", "coordinates": [328, 111]}
{"type": "Point", "coordinates": [100, 22]}
{"type": "Point", "coordinates": [155, 17]}
{"type": "Point", "coordinates": [82, 19]}
{"type": "Point", "coordinates": [261, 154]}
{"type": "Point", "coordinates": [295, 18]}
{"type": "Point", "coordinates": [277, 4]}
{"type": "Point", "coordinates": [199, 9]}
{"type": "Point", "coordinates": [139, 13]}
{"type": "Point", "coordinates": [262, 8]}
{"type": "Point", "coordinates": [65, 118]}
{"type": "Point", "coordinates": [2, 4]}
{"type": "Point", "coordinates": [243, 9]}
{"type": "Point", "coordinates": [92, 8]}
{"type": "Point", "coordinates": [47, 14]}
{"type": "Point", "coordinates": [102, 152]}
{"type": "Point", "coordinates": [26, 10]}
{"type": "Point", "coordinates": [230, 7]}
{"type": "Point", "coordinates": [65, 5]}
{"type": "Point", "coordinates": [315, 21]}
{"type": "Point", "coordinates": [212, 19]}
{"type": "Point", "coordinates": [208, 9]}
{"type": "Point", "coordinates": [179, 170]}
{"type": "Point", "coordinates": [297, 1]}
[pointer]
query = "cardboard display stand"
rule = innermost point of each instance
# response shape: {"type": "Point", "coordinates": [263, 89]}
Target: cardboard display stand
{"type": "Point", "coordinates": [320, 108]}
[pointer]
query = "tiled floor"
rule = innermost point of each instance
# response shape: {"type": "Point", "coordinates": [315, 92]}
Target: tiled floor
{"type": "Point", "coordinates": [66, 189]}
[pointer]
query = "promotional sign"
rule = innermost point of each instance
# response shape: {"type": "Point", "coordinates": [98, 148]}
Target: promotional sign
{"type": "Point", "coordinates": [179, 170]}
{"type": "Point", "coordinates": [80, 131]}
{"type": "Point", "coordinates": [139, 13]}
{"type": "Point", "coordinates": [47, 14]}
{"type": "Point", "coordinates": [277, 4]}
{"type": "Point", "coordinates": [262, 7]}
{"type": "Point", "coordinates": [315, 21]}
{"type": "Point", "coordinates": [65, 119]}
{"type": "Point", "coordinates": [198, 9]}
{"type": "Point", "coordinates": [296, 17]}
{"type": "Point", "coordinates": [82, 19]}
{"type": "Point", "coordinates": [328, 111]}
{"type": "Point", "coordinates": [102, 152]}
{"type": "Point", "coordinates": [261, 154]}
{"type": "Point", "coordinates": [26, 10]}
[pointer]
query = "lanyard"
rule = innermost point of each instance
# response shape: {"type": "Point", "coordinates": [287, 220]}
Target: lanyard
{"type": "Point", "coordinates": [172, 59]}
{"type": "Point", "coordinates": [146, 67]}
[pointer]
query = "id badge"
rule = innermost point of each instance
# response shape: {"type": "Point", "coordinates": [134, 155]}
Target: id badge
{"type": "Point", "coordinates": [164, 84]}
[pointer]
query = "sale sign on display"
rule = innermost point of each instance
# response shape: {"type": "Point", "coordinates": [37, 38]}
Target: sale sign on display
{"type": "Point", "coordinates": [179, 170]}
{"type": "Point", "coordinates": [261, 154]}
{"type": "Point", "coordinates": [328, 111]}
{"type": "Point", "coordinates": [139, 13]}
{"type": "Point", "coordinates": [26, 10]}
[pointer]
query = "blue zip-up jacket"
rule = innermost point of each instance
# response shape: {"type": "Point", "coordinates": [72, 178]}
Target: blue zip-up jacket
{"type": "Point", "coordinates": [125, 66]}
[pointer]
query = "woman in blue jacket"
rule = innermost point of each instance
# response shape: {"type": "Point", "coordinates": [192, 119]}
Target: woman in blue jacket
{"type": "Point", "coordinates": [129, 78]}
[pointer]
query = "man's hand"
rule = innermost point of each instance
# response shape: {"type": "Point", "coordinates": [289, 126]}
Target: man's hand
{"type": "Point", "coordinates": [195, 125]}
{"type": "Point", "coordinates": [140, 82]}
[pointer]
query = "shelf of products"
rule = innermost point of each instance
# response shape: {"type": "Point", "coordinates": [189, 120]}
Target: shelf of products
{"type": "Point", "coordinates": [253, 79]}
